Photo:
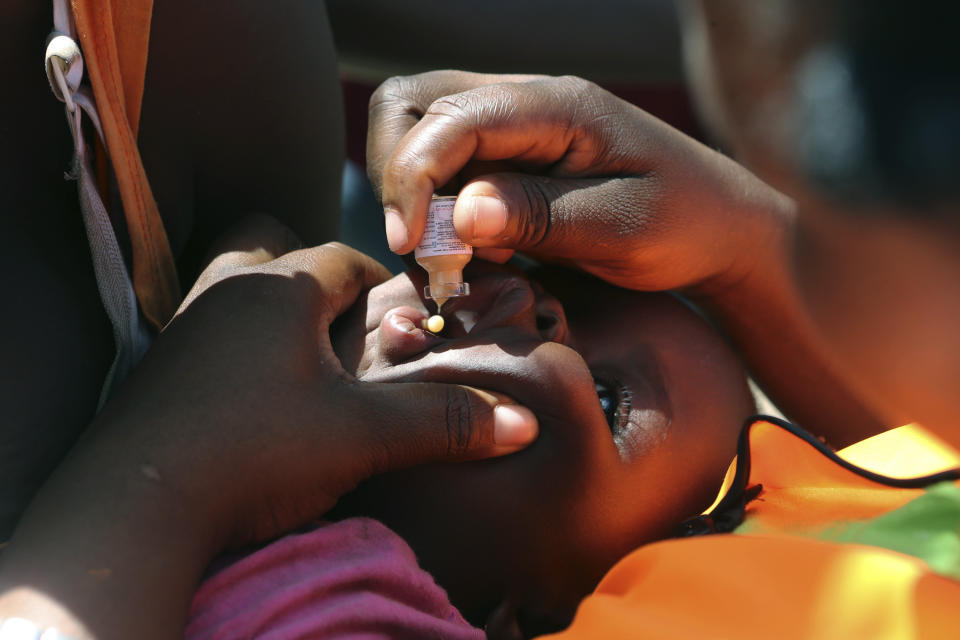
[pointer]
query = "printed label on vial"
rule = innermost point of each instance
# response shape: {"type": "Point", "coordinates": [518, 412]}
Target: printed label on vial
{"type": "Point", "coordinates": [439, 236]}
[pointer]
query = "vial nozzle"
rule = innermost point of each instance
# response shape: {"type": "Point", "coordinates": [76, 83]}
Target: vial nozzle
{"type": "Point", "coordinates": [445, 285]}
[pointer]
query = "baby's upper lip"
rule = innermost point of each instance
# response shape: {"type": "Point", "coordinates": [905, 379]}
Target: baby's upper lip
{"type": "Point", "coordinates": [502, 298]}
{"type": "Point", "coordinates": [505, 305]}
{"type": "Point", "coordinates": [506, 325]}
{"type": "Point", "coordinates": [486, 288]}
{"type": "Point", "coordinates": [504, 350]}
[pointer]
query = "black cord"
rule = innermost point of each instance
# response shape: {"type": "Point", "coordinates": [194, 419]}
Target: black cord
{"type": "Point", "coordinates": [730, 511]}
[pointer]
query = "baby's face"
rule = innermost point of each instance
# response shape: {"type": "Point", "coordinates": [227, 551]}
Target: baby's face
{"type": "Point", "coordinates": [638, 401]}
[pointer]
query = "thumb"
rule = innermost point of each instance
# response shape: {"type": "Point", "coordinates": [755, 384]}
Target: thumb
{"type": "Point", "coordinates": [418, 422]}
{"type": "Point", "coordinates": [580, 219]}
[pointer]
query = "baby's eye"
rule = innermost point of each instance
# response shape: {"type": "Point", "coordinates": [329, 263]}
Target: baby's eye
{"type": "Point", "coordinates": [609, 401]}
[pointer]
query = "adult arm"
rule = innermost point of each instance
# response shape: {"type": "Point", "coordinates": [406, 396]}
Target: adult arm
{"type": "Point", "coordinates": [214, 151]}
{"type": "Point", "coordinates": [239, 425]}
{"type": "Point", "coordinates": [559, 168]}
{"type": "Point", "coordinates": [56, 344]}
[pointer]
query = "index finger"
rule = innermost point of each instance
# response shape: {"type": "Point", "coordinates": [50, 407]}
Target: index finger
{"type": "Point", "coordinates": [525, 121]}
{"type": "Point", "coordinates": [340, 273]}
{"type": "Point", "coordinates": [400, 102]}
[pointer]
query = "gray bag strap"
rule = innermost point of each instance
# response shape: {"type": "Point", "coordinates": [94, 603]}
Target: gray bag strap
{"type": "Point", "coordinates": [132, 337]}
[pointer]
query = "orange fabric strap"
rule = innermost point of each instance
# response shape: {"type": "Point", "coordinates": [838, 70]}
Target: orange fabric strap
{"type": "Point", "coordinates": [114, 36]}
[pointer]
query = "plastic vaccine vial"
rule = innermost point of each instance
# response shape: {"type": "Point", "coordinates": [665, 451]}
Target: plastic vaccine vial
{"type": "Point", "coordinates": [442, 254]}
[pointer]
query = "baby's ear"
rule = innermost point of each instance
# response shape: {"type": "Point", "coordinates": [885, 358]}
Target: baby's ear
{"type": "Point", "coordinates": [502, 623]}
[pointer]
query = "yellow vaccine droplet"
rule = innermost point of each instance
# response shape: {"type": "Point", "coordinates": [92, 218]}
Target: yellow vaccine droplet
{"type": "Point", "coordinates": [435, 324]}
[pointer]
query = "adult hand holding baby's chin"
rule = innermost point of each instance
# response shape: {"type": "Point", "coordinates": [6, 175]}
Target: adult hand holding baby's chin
{"type": "Point", "coordinates": [286, 427]}
{"type": "Point", "coordinates": [558, 167]}
{"type": "Point", "coordinates": [239, 425]}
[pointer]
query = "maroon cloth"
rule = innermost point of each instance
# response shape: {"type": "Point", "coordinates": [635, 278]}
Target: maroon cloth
{"type": "Point", "coordinates": [350, 579]}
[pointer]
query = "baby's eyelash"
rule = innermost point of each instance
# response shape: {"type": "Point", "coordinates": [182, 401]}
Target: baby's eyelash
{"type": "Point", "coordinates": [616, 401]}
{"type": "Point", "coordinates": [622, 415]}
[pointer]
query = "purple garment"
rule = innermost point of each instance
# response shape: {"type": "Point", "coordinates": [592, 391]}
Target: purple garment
{"type": "Point", "coordinates": [350, 579]}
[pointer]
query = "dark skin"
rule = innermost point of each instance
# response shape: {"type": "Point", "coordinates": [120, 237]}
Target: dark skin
{"type": "Point", "coordinates": [238, 426]}
{"type": "Point", "coordinates": [532, 533]}
{"type": "Point", "coordinates": [877, 280]}
{"type": "Point", "coordinates": [215, 150]}
{"type": "Point", "coordinates": [48, 277]}
{"type": "Point", "coordinates": [199, 456]}
{"type": "Point", "coordinates": [559, 168]}
{"type": "Point", "coordinates": [785, 292]}
{"type": "Point", "coordinates": [209, 145]}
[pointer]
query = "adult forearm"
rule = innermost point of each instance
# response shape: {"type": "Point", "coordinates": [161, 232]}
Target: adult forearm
{"type": "Point", "coordinates": [109, 549]}
{"type": "Point", "coordinates": [239, 425]}
{"type": "Point", "coordinates": [764, 315]}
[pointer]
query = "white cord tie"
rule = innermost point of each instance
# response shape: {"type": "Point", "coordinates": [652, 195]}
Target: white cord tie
{"type": "Point", "coordinates": [64, 64]}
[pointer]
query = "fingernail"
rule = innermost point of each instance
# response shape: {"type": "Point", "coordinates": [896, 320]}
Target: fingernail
{"type": "Point", "coordinates": [514, 426]}
{"type": "Point", "coordinates": [489, 216]}
{"type": "Point", "coordinates": [396, 229]}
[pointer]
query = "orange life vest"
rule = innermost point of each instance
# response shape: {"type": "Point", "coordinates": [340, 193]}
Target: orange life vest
{"type": "Point", "coordinates": [770, 579]}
